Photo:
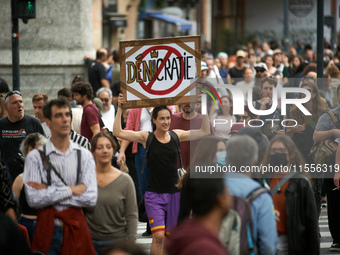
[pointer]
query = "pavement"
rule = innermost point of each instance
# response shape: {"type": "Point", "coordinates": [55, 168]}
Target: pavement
{"type": "Point", "coordinates": [326, 239]}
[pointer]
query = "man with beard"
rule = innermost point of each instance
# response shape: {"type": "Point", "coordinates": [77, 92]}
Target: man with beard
{"type": "Point", "coordinates": [83, 94]}
{"type": "Point", "coordinates": [187, 119]}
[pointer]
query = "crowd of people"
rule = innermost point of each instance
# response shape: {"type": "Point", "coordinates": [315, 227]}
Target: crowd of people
{"type": "Point", "coordinates": [63, 177]}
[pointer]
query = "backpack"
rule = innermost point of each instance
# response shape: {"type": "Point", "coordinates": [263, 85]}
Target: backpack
{"type": "Point", "coordinates": [324, 151]}
{"type": "Point", "coordinates": [237, 227]}
{"type": "Point", "coordinates": [148, 143]}
{"type": "Point", "coordinates": [104, 128]}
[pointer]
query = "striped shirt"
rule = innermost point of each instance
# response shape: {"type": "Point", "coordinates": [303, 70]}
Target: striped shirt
{"type": "Point", "coordinates": [58, 194]}
{"type": "Point", "coordinates": [81, 140]}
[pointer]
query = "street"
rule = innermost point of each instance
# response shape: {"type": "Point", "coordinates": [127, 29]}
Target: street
{"type": "Point", "coordinates": [326, 240]}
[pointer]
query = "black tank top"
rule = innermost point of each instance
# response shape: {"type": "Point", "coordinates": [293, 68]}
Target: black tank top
{"type": "Point", "coordinates": [25, 208]}
{"type": "Point", "coordinates": [163, 163]}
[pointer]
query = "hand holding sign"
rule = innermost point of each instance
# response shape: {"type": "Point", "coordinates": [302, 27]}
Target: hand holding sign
{"type": "Point", "coordinates": [121, 100]}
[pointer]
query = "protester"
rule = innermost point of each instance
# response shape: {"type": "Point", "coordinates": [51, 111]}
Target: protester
{"type": "Point", "coordinates": [15, 127]}
{"type": "Point", "coordinates": [96, 70]}
{"type": "Point", "coordinates": [223, 119]}
{"type": "Point", "coordinates": [187, 119]}
{"type": "Point", "coordinates": [242, 151]}
{"type": "Point", "coordinates": [90, 123]}
{"type": "Point", "coordinates": [28, 216]}
{"type": "Point", "coordinates": [211, 150]}
{"type": "Point", "coordinates": [297, 227]}
{"type": "Point", "coordinates": [61, 188]}
{"type": "Point", "coordinates": [327, 129]}
{"type": "Point", "coordinates": [38, 101]}
{"type": "Point", "coordinates": [109, 111]}
{"type": "Point", "coordinates": [161, 196]}
{"type": "Point", "coordinates": [114, 218]}
{"type": "Point", "coordinates": [199, 235]}
{"type": "Point", "coordinates": [7, 204]}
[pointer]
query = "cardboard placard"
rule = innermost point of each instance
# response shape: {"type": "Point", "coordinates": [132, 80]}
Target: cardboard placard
{"type": "Point", "coordinates": [159, 71]}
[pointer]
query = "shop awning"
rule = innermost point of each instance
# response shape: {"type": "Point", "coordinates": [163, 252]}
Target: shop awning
{"type": "Point", "coordinates": [182, 24]}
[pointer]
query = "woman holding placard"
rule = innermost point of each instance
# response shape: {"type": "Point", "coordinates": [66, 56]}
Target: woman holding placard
{"type": "Point", "coordinates": [161, 196]}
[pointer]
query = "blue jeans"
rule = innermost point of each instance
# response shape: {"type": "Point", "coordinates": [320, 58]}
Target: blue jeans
{"type": "Point", "coordinates": [57, 241]}
{"type": "Point", "coordinates": [142, 177]}
{"type": "Point", "coordinates": [30, 225]}
{"type": "Point", "coordinates": [100, 246]}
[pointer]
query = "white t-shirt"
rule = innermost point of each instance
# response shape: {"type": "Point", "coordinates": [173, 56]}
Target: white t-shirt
{"type": "Point", "coordinates": [46, 129]}
{"type": "Point", "coordinates": [145, 121]}
{"type": "Point", "coordinates": [109, 118]}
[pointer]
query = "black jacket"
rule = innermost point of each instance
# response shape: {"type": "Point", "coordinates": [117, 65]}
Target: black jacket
{"type": "Point", "coordinates": [302, 222]}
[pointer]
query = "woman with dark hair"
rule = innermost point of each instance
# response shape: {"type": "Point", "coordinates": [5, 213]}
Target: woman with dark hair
{"type": "Point", "coordinates": [224, 118]}
{"type": "Point", "coordinates": [161, 196]}
{"type": "Point", "coordinates": [272, 70]}
{"type": "Point", "coordinates": [294, 201]}
{"type": "Point", "coordinates": [115, 215]}
{"type": "Point", "coordinates": [302, 133]}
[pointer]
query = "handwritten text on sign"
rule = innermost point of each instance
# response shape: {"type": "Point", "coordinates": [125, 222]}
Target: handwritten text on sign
{"type": "Point", "coordinates": [160, 70]}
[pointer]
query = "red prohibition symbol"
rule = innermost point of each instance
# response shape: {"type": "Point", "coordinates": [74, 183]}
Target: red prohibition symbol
{"type": "Point", "coordinates": [148, 87]}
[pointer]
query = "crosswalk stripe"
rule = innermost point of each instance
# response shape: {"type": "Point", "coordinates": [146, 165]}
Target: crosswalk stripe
{"type": "Point", "coordinates": [325, 245]}
{"type": "Point", "coordinates": [325, 234]}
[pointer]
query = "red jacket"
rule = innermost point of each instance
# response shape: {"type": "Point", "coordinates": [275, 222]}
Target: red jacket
{"type": "Point", "coordinates": [133, 123]}
{"type": "Point", "coordinates": [76, 239]}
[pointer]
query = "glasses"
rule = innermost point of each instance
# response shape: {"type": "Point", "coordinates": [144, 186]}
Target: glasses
{"type": "Point", "coordinates": [244, 117]}
{"type": "Point", "coordinates": [281, 150]}
{"type": "Point", "coordinates": [12, 93]}
{"type": "Point", "coordinates": [260, 70]}
{"type": "Point", "coordinates": [105, 99]}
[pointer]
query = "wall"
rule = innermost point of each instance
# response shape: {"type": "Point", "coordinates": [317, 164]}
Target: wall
{"type": "Point", "coordinates": [52, 46]}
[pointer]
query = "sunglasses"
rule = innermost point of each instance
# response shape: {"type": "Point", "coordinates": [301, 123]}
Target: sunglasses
{"type": "Point", "coordinates": [12, 93]}
{"type": "Point", "coordinates": [260, 70]}
{"type": "Point", "coordinates": [105, 100]}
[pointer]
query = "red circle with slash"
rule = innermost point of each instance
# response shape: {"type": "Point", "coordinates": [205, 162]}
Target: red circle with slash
{"type": "Point", "coordinates": [148, 88]}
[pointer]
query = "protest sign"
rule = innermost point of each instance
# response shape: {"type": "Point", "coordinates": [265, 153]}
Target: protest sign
{"type": "Point", "coordinates": [159, 71]}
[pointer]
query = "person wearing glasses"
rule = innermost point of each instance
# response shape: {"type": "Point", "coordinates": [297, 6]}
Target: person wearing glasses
{"type": "Point", "coordinates": [15, 127]}
{"type": "Point", "coordinates": [109, 111]}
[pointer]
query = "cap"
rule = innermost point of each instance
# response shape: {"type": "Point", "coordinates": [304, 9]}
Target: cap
{"type": "Point", "coordinates": [261, 65]}
{"type": "Point", "coordinates": [220, 54]}
{"type": "Point", "coordinates": [204, 66]}
{"type": "Point", "coordinates": [240, 53]}
{"type": "Point", "coordinates": [235, 128]}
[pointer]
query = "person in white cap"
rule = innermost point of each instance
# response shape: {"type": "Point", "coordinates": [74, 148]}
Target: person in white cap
{"type": "Point", "coordinates": [236, 73]}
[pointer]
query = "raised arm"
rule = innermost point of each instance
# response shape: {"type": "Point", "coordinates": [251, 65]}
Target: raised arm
{"type": "Point", "coordinates": [187, 135]}
{"type": "Point", "coordinates": [132, 136]}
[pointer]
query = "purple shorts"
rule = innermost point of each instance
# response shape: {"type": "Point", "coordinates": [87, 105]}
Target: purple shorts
{"type": "Point", "coordinates": [162, 210]}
